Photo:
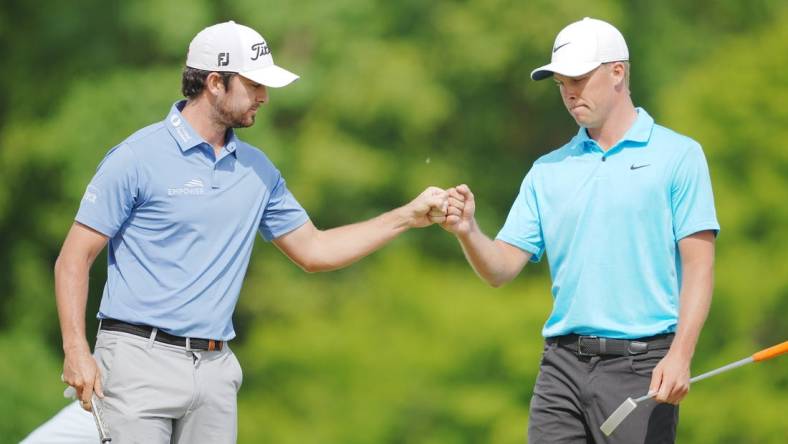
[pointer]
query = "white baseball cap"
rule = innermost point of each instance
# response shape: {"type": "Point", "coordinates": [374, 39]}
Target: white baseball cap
{"type": "Point", "coordinates": [581, 47]}
{"type": "Point", "coordinates": [230, 47]}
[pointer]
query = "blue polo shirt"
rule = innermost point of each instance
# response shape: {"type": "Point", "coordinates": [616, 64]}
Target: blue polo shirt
{"type": "Point", "coordinates": [181, 223]}
{"type": "Point", "coordinates": [610, 223]}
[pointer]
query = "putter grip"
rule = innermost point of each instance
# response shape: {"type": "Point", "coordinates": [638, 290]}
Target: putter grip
{"type": "Point", "coordinates": [771, 352]}
{"type": "Point", "coordinates": [98, 415]}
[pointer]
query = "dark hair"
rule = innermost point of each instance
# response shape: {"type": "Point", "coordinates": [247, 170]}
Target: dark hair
{"type": "Point", "coordinates": [193, 81]}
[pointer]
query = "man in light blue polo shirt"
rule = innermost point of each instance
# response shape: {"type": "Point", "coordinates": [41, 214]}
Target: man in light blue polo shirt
{"type": "Point", "coordinates": [179, 203]}
{"type": "Point", "coordinates": [625, 214]}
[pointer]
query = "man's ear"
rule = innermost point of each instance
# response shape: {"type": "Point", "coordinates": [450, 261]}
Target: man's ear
{"type": "Point", "coordinates": [619, 71]}
{"type": "Point", "coordinates": [214, 84]}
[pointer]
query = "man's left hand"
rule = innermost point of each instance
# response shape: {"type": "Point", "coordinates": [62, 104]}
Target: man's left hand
{"type": "Point", "coordinates": [671, 379]}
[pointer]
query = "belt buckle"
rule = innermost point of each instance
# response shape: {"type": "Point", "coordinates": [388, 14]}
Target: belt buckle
{"type": "Point", "coordinates": [580, 345]}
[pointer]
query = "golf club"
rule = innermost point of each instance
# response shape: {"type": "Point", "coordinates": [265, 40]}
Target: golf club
{"type": "Point", "coordinates": [629, 405]}
{"type": "Point", "coordinates": [96, 410]}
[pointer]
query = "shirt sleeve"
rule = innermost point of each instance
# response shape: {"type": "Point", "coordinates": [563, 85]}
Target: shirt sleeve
{"type": "Point", "coordinates": [692, 199]}
{"type": "Point", "coordinates": [282, 213]}
{"type": "Point", "coordinates": [523, 226]}
{"type": "Point", "coordinates": [112, 193]}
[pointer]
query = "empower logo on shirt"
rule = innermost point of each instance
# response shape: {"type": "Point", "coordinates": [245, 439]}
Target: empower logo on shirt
{"type": "Point", "coordinates": [192, 187]}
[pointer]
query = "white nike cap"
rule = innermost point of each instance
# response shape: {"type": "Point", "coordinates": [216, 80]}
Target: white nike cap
{"type": "Point", "coordinates": [581, 47]}
{"type": "Point", "coordinates": [230, 47]}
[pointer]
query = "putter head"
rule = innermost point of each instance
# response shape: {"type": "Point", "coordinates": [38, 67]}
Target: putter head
{"type": "Point", "coordinates": [618, 416]}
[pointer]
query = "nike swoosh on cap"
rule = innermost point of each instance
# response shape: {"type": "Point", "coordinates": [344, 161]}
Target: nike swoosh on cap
{"type": "Point", "coordinates": [560, 46]}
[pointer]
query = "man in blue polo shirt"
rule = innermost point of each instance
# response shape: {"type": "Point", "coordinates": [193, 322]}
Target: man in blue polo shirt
{"type": "Point", "coordinates": [625, 214]}
{"type": "Point", "coordinates": [179, 203]}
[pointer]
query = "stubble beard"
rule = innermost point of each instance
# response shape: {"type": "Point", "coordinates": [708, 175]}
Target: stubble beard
{"type": "Point", "coordinates": [230, 118]}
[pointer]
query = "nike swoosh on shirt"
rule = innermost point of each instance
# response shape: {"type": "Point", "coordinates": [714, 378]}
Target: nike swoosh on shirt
{"type": "Point", "coordinates": [635, 167]}
{"type": "Point", "coordinates": [560, 46]}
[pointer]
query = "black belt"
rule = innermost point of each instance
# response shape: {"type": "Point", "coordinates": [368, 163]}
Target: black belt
{"type": "Point", "coordinates": [166, 338]}
{"type": "Point", "coordinates": [598, 346]}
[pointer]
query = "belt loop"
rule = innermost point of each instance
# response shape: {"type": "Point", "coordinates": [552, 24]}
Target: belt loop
{"type": "Point", "coordinates": [152, 337]}
{"type": "Point", "coordinates": [99, 327]}
{"type": "Point", "coordinates": [602, 346]}
{"type": "Point", "coordinates": [188, 344]}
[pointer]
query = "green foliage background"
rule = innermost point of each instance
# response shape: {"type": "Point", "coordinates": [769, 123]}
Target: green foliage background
{"type": "Point", "coordinates": [407, 346]}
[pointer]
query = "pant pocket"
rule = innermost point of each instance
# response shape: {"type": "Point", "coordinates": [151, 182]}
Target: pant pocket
{"type": "Point", "coordinates": [546, 350]}
{"type": "Point", "coordinates": [238, 378]}
{"type": "Point", "coordinates": [104, 352]}
{"type": "Point", "coordinates": [644, 364]}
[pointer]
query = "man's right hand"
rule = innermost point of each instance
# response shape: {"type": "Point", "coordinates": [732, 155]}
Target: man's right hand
{"type": "Point", "coordinates": [460, 216]}
{"type": "Point", "coordinates": [81, 372]}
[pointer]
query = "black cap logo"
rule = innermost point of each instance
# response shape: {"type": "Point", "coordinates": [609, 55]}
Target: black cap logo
{"type": "Point", "coordinates": [260, 49]}
{"type": "Point", "coordinates": [560, 46]}
{"type": "Point", "coordinates": [224, 59]}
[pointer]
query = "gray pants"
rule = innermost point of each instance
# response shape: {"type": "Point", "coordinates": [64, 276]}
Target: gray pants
{"type": "Point", "coordinates": [574, 395]}
{"type": "Point", "coordinates": [160, 393]}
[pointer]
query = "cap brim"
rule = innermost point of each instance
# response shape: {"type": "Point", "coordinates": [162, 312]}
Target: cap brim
{"type": "Point", "coordinates": [565, 69]}
{"type": "Point", "coordinates": [272, 76]}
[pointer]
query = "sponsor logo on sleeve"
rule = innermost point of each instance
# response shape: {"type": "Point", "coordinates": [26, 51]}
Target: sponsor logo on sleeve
{"type": "Point", "coordinates": [91, 194]}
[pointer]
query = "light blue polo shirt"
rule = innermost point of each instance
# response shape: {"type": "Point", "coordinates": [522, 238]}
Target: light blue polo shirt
{"type": "Point", "coordinates": [610, 225]}
{"type": "Point", "coordinates": [181, 224]}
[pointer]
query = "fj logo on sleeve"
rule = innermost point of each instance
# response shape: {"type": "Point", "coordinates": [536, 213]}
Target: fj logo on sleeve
{"type": "Point", "coordinates": [637, 167]}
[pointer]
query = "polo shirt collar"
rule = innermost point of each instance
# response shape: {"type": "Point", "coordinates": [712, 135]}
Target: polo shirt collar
{"type": "Point", "coordinates": [186, 137]}
{"type": "Point", "coordinates": [639, 132]}
{"type": "Point", "coordinates": [183, 133]}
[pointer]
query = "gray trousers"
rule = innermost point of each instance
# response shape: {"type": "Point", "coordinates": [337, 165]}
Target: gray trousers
{"type": "Point", "coordinates": [574, 395]}
{"type": "Point", "coordinates": [160, 393]}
